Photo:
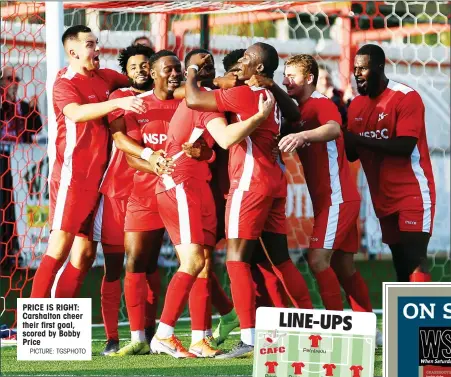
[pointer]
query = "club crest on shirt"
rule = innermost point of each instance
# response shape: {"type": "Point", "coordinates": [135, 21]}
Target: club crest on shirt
{"type": "Point", "coordinates": [382, 115]}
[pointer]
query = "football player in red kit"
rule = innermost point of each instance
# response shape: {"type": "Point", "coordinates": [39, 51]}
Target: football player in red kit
{"type": "Point", "coordinates": [387, 132]}
{"type": "Point", "coordinates": [78, 153]}
{"type": "Point", "coordinates": [143, 226]}
{"type": "Point", "coordinates": [116, 187]}
{"type": "Point", "coordinates": [318, 140]}
{"type": "Point", "coordinates": [188, 210]}
{"type": "Point", "coordinates": [256, 200]}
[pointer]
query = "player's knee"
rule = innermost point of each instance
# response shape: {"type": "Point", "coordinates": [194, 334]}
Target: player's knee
{"type": "Point", "coordinates": [195, 265]}
{"type": "Point", "coordinates": [318, 260]}
{"type": "Point", "coordinates": [135, 263]}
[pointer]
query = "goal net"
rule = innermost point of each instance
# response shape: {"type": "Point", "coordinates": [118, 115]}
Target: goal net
{"type": "Point", "coordinates": [414, 34]}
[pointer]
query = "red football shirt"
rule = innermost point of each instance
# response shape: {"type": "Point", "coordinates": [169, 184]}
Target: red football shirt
{"type": "Point", "coordinates": [356, 369]}
{"type": "Point", "coordinates": [118, 178]}
{"type": "Point", "coordinates": [315, 340]}
{"type": "Point", "coordinates": [329, 369]}
{"type": "Point", "coordinates": [78, 152]}
{"type": "Point", "coordinates": [326, 168]}
{"type": "Point", "coordinates": [395, 182]}
{"type": "Point", "coordinates": [184, 125]}
{"type": "Point", "coordinates": [298, 367]}
{"type": "Point", "coordinates": [251, 164]}
{"type": "Point", "coordinates": [271, 366]}
{"type": "Point", "coordinates": [151, 130]}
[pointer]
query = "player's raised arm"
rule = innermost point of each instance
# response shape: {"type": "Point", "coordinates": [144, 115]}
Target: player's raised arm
{"type": "Point", "coordinates": [195, 98]}
{"type": "Point", "coordinates": [229, 135]}
{"type": "Point", "coordinates": [290, 110]}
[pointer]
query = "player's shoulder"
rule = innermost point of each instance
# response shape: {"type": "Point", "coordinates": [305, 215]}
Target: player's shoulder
{"type": "Point", "coordinates": [400, 88]}
{"type": "Point", "coordinates": [147, 96]}
{"type": "Point", "coordinates": [65, 75]}
{"type": "Point", "coordinates": [405, 94]}
{"type": "Point", "coordinates": [121, 92]}
{"type": "Point", "coordinates": [319, 99]}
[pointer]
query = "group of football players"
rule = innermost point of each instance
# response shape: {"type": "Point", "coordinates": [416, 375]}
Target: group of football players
{"type": "Point", "coordinates": [162, 147]}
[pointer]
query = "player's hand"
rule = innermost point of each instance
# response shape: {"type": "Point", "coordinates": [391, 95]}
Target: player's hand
{"type": "Point", "coordinates": [200, 60]}
{"type": "Point", "coordinates": [131, 103]}
{"type": "Point", "coordinates": [265, 106]}
{"type": "Point", "coordinates": [199, 150]}
{"type": "Point", "coordinates": [228, 81]}
{"type": "Point", "coordinates": [160, 164]}
{"type": "Point", "coordinates": [260, 81]}
{"type": "Point", "coordinates": [292, 142]}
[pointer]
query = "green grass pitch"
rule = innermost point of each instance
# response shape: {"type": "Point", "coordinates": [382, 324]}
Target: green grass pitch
{"type": "Point", "coordinates": [152, 365]}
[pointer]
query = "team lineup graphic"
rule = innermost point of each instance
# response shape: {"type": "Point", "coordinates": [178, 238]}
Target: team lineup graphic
{"type": "Point", "coordinates": [314, 343]}
{"type": "Point", "coordinates": [300, 354]}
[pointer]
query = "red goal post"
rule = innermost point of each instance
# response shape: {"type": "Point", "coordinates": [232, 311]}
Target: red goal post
{"type": "Point", "coordinates": [414, 34]}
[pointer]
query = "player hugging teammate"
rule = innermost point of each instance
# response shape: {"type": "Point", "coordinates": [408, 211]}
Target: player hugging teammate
{"type": "Point", "coordinates": [155, 169]}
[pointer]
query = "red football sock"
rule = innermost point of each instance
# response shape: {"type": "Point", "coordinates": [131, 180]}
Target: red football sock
{"type": "Point", "coordinates": [70, 282]}
{"type": "Point", "coordinates": [111, 302]}
{"type": "Point", "coordinates": [261, 293]}
{"type": "Point", "coordinates": [420, 277]}
{"type": "Point", "coordinates": [329, 289]}
{"type": "Point", "coordinates": [199, 306]}
{"type": "Point", "coordinates": [243, 292]}
{"type": "Point", "coordinates": [176, 297]}
{"type": "Point", "coordinates": [273, 285]}
{"type": "Point", "coordinates": [135, 289]}
{"type": "Point", "coordinates": [294, 284]}
{"type": "Point", "coordinates": [209, 318]}
{"type": "Point", "coordinates": [357, 293]}
{"type": "Point", "coordinates": [153, 295]}
{"type": "Point", "coordinates": [45, 276]}
{"type": "Point", "coordinates": [219, 298]}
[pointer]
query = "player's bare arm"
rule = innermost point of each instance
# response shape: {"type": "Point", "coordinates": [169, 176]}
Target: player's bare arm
{"type": "Point", "coordinates": [401, 146]}
{"type": "Point", "coordinates": [288, 107]}
{"type": "Point", "coordinates": [195, 98]}
{"type": "Point", "coordinates": [123, 142]}
{"type": "Point", "coordinates": [157, 164]}
{"type": "Point", "coordinates": [327, 132]}
{"type": "Point", "coordinates": [350, 146]}
{"type": "Point", "coordinates": [229, 135]}
{"type": "Point", "coordinates": [83, 113]}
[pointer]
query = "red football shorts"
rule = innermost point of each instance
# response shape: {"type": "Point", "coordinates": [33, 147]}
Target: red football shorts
{"type": "Point", "coordinates": [189, 213]}
{"type": "Point", "coordinates": [336, 228]}
{"type": "Point", "coordinates": [72, 209]}
{"type": "Point", "coordinates": [109, 221]}
{"type": "Point", "coordinates": [248, 214]}
{"type": "Point", "coordinates": [407, 221]}
{"type": "Point", "coordinates": [142, 214]}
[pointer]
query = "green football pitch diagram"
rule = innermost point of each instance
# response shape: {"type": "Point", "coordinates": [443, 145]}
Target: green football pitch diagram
{"type": "Point", "coordinates": [313, 354]}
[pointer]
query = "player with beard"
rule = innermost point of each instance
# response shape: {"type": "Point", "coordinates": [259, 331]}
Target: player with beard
{"type": "Point", "coordinates": [188, 211]}
{"type": "Point", "coordinates": [143, 227]}
{"type": "Point", "coordinates": [387, 132]}
{"type": "Point", "coordinates": [116, 188]}
{"type": "Point", "coordinates": [257, 196]}
{"type": "Point", "coordinates": [78, 156]}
